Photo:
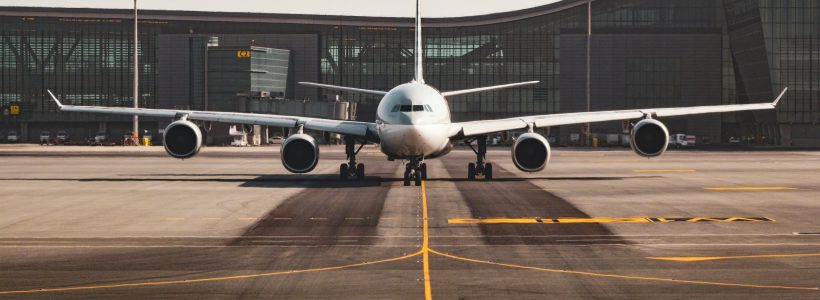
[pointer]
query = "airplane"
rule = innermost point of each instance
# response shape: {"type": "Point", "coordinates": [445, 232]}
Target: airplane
{"type": "Point", "coordinates": [413, 124]}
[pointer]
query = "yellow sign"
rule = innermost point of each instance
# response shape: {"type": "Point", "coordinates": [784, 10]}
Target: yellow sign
{"type": "Point", "coordinates": [14, 110]}
{"type": "Point", "coordinates": [243, 54]}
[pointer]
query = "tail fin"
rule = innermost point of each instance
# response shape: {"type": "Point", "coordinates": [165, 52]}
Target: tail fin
{"type": "Point", "coordinates": [419, 77]}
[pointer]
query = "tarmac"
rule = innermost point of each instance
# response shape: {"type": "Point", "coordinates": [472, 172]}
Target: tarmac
{"type": "Point", "coordinates": [125, 223]}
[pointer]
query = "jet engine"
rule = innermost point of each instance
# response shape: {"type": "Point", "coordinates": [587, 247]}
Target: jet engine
{"type": "Point", "coordinates": [649, 138]}
{"type": "Point", "coordinates": [531, 152]}
{"type": "Point", "coordinates": [300, 153]}
{"type": "Point", "coordinates": [182, 139]}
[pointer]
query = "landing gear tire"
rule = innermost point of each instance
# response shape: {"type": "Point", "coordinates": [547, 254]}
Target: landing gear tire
{"type": "Point", "coordinates": [479, 167]}
{"type": "Point", "coordinates": [424, 171]}
{"type": "Point", "coordinates": [360, 172]}
{"type": "Point", "coordinates": [407, 178]}
{"type": "Point", "coordinates": [344, 171]}
{"type": "Point", "coordinates": [488, 171]}
{"type": "Point", "coordinates": [351, 168]}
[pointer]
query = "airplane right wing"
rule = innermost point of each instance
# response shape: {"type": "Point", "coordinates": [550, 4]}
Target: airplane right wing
{"type": "Point", "coordinates": [473, 128]}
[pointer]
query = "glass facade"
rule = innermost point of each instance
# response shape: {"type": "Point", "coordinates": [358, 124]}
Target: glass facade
{"type": "Point", "coordinates": [762, 46]}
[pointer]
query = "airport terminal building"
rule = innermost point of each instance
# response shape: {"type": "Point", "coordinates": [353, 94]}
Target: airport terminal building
{"type": "Point", "coordinates": [644, 53]}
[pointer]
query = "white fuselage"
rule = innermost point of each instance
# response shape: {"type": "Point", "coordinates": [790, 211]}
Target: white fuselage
{"type": "Point", "coordinates": [413, 120]}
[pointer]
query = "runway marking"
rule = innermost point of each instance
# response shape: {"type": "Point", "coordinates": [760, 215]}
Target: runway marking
{"type": "Point", "coordinates": [247, 219]}
{"type": "Point", "coordinates": [664, 171]}
{"type": "Point", "coordinates": [642, 278]}
{"type": "Point", "coordinates": [751, 188]}
{"type": "Point", "coordinates": [706, 258]}
{"type": "Point", "coordinates": [601, 220]}
{"type": "Point", "coordinates": [425, 248]}
{"type": "Point", "coordinates": [207, 279]}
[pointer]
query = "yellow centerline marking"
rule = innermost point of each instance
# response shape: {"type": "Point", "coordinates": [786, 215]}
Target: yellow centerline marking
{"type": "Point", "coordinates": [706, 258]}
{"type": "Point", "coordinates": [425, 247]}
{"type": "Point", "coordinates": [603, 220]}
{"type": "Point", "coordinates": [665, 171]}
{"type": "Point", "coordinates": [643, 278]}
{"type": "Point", "coordinates": [750, 188]}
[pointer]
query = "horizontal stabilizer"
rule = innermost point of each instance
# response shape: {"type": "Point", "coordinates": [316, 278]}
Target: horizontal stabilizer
{"type": "Point", "coordinates": [343, 88]}
{"type": "Point", "coordinates": [488, 88]}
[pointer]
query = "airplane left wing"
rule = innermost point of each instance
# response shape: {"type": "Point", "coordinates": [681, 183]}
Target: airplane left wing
{"type": "Point", "coordinates": [473, 128]}
{"type": "Point", "coordinates": [361, 129]}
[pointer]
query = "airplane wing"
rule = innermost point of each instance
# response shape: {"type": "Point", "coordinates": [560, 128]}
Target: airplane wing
{"type": "Point", "coordinates": [362, 129]}
{"type": "Point", "coordinates": [489, 126]}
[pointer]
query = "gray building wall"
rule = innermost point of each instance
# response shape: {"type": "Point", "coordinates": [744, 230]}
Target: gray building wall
{"type": "Point", "coordinates": [699, 77]}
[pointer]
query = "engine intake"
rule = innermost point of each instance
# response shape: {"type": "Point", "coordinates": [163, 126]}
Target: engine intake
{"type": "Point", "coordinates": [300, 153]}
{"type": "Point", "coordinates": [531, 152]}
{"type": "Point", "coordinates": [649, 138]}
{"type": "Point", "coordinates": [182, 139]}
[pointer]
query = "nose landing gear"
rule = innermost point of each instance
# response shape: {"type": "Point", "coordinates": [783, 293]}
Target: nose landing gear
{"type": "Point", "coordinates": [351, 168]}
{"type": "Point", "coordinates": [415, 171]}
{"type": "Point", "coordinates": [479, 167]}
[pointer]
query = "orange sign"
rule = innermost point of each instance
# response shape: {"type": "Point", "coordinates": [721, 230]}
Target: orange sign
{"type": "Point", "coordinates": [243, 53]}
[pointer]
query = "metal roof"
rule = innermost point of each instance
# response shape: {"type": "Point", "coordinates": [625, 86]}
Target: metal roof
{"type": "Point", "coordinates": [168, 15]}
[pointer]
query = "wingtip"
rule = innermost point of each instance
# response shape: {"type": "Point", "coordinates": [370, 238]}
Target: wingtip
{"type": "Point", "coordinates": [57, 101]}
{"type": "Point", "coordinates": [780, 96]}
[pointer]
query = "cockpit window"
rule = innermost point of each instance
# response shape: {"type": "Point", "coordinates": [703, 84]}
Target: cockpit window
{"type": "Point", "coordinates": [410, 108]}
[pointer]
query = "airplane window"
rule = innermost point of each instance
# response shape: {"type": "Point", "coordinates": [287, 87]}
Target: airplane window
{"type": "Point", "coordinates": [418, 107]}
{"type": "Point", "coordinates": [396, 108]}
{"type": "Point", "coordinates": [406, 108]}
{"type": "Point", "coordinates": [428, 108]}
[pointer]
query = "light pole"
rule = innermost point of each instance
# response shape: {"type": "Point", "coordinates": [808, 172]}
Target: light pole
{"type": "Point", "coordinates": [135, 133]}
{"type": "Point", "coordinates": [589, 64]}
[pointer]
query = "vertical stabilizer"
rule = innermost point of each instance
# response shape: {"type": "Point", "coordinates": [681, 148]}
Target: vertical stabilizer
{"type": "Point", "coordinates": [419, 61]}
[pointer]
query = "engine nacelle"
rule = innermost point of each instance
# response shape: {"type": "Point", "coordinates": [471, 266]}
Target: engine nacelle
{"type": "Point", "coordinates": [531, 152]}
{"type": "Point", "coordinates": [182, 139]}
{"type": "Point", "coordinates": [649, 138]}
{"type": "Point", "coordinates": [300, 153]}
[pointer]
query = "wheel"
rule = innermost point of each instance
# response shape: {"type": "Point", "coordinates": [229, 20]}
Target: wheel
{"type": "Point", "coordinates": [344, 171]}
{"type": "Point", "coordinates": [471, 171]}
{"type": "Point", "coordinates": [424, 171]}
{"type": "Point", "coordinates": [418, 178]}
{"type": "Point", "coordinates": [488, 172]}
{"type": "Point", "coordinates": [360, 172]}
{"type": "Point", "coordinates": [407, 178]}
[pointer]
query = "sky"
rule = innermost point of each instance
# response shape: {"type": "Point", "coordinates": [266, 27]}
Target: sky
{"type": "Point", "coordinates": [382, 8]}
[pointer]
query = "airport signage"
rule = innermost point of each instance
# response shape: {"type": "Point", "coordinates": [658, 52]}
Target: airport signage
{"type": "Point", "coordinates": [14, 109]}
{"type": "Point", "coordinates": [243, 54]}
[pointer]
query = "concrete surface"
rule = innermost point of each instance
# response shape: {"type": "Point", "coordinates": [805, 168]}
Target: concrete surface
{"type": "Point", "coordinates": [124, 223]}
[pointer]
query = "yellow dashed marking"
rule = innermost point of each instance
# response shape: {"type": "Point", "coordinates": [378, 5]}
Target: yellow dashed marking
{"type": "Point", "coordinates": [750, 188]}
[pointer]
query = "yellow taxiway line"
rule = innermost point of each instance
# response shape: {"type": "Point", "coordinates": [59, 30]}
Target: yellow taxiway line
{"type": "Point", "coordinates": [603, 220]}
{"type": "Point", "coordinates": [642, 278]}
{"type": "Point", "coordinates": [706, 258]}
{"type": "Point", "coordinates": [425, 247]}
{"type": "Point", "coordinates": [750, 188]}
{"type": "Point", "coordinates": [207, 279]}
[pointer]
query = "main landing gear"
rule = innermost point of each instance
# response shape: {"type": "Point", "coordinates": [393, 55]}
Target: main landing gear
{"type": "Point", "coordinates": [351, 168]}
{"type": "Point", "coordinates": [415, 171]}
{"type": "Point", "coordinates": [479, 167]}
